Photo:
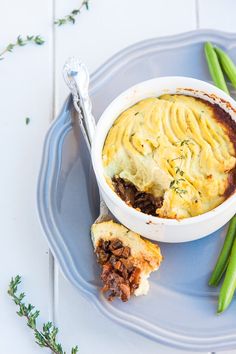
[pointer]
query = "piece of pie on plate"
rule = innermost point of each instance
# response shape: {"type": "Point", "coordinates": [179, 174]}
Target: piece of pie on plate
{"type": "Point", "coordinates": [126, 259]}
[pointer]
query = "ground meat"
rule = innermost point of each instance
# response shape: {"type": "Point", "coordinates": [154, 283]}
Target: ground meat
{"type": "Point", "coordinates": [120, 277]}
{"type": "Point", "coordinates": [143, 201]}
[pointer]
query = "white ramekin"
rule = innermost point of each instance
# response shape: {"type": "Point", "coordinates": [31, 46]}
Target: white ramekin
{"type": "Point", "coordinates": [160, 229]}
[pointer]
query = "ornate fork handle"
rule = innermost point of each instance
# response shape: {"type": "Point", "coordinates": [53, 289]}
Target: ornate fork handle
{"type": "Point", "coordinates": [76, 77]}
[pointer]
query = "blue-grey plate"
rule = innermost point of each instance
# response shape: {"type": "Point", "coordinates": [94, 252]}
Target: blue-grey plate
{"type": "Point", "coordinates": [180, 309]}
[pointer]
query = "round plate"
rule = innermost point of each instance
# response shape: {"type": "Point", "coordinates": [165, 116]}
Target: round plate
{"type": "Point", "coordinates": [180, 309]}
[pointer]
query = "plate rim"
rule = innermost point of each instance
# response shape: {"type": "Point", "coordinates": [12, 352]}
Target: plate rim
{"type": "Point", "coordinates": [51, 158]}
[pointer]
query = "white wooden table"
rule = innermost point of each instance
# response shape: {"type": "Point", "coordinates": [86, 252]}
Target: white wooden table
{"type": "Point", "coordinates": [31, 85]}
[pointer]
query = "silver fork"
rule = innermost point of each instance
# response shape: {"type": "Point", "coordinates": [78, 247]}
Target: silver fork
{"type": "Point", "coordinates": [76, 77]}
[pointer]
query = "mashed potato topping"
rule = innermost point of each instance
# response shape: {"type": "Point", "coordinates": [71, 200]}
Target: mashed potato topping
{"type": "Point", "coordinates": [175, 147]}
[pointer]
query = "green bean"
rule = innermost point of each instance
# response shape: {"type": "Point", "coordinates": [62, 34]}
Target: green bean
{"type": "Point", "coordinates": [223, 258]}
{"type": "Point", "coordinates": [227, 65]}
{"type": "Point", "coordinates": [214, 67]}
{"type": "Point", "coordinates": [229, 284]}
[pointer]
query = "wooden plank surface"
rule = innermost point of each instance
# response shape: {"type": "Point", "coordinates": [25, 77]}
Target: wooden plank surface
{"type": "Point", "coordinates": [26, 91]}
{"type": "Point", "coordinates": [217, 14]}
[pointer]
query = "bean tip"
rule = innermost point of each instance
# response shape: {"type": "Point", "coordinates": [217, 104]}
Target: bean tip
{"type": "Point", "coordinates": [220, 308]}
{"type": "Point", "coordinates": [213, 282]}
{"type": "Point", "coordinates": [208, 44]}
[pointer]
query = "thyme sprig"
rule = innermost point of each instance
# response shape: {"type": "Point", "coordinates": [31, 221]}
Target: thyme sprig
{"type": "Point", "coordinates": [71, 18]}
{"type": "Point", "coordinates": [20, 42]}
{"type": "Point", "coordinates": [185, 142]}
{"type": "Point", "coordinates": [47, 337]}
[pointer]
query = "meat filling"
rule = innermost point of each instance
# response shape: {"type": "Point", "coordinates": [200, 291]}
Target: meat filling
{"type": "Point", "coordinates": [142, 201]}
{"type": "Point", "coordinates": [120, 277]}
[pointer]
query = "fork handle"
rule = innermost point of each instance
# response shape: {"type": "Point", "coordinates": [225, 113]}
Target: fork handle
{"type": "Point", "coordinates": [76, 76]}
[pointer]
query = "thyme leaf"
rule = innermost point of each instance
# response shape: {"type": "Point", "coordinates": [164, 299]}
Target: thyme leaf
{"type": "Point", "coordinates": [185, 142]}
{"type": "Point", "coordinates": [181, 157]}
{"type": "Point", "coordinates": [178, 170]}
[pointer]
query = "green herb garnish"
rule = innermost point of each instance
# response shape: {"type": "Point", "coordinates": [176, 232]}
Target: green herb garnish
{"type": "Point", "coordinates": [185, 142]}
{"type": "Point", "coordinates": [71, 17]}
{"type": "Point", "coordinates": [178, 170]}
{"type": "Point", "coordinates": [47, 337]}
{"type": "Point", "coordinates": [20, 42]}
{"type": "Point", "coordinates": [174, 185]}
{"type": "Point", "coordinates": [181, 157]}
{"type": "Point", "coordinates": [27, 120]}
